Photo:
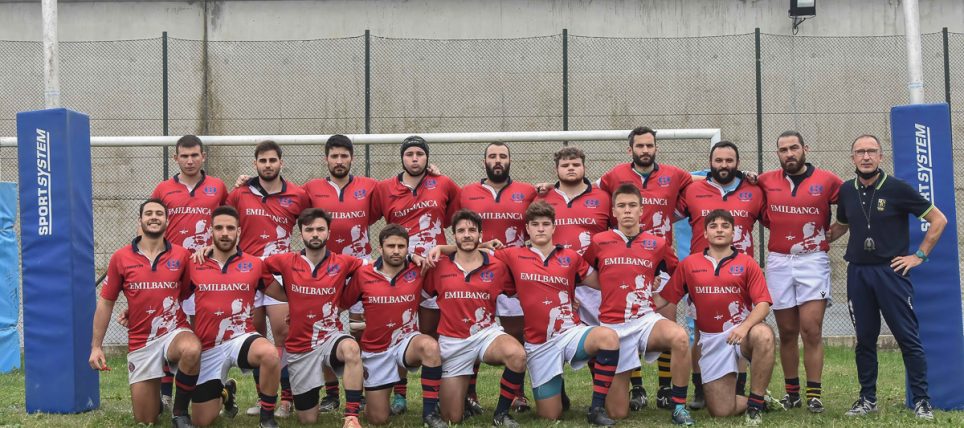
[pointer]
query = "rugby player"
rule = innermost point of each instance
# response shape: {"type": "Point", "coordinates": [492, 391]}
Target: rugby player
{"type": "Point", "coordinates": [312, 283]}
{"type": "Point", "coordinates": [151, 272]}
{"type": "Point", "coordinates": [730, 294]}
{"type": "Point", "coordinates": [798, 199]}
{"type": "Point", "coordinates": [225, 284]}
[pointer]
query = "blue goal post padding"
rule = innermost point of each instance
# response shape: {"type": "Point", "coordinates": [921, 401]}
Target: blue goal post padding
{"type": "Point", "coordinates": [57, 234]}
{"type": "Point", "coordinates": [923, 157]}
{"type": "Point", "coordinates": [9, 280]}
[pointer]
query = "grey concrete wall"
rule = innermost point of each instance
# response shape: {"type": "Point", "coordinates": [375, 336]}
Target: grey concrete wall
{"type": "Point", "coordinates": [294, 20]}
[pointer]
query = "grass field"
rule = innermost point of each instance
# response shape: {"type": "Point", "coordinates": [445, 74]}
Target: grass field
{"type": "Point", "coordinates": [840, 389]}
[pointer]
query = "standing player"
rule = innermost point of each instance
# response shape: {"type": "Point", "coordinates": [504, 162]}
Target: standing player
{"type": "Point", "coordinates": [224, 286]}
{"type": "Point", "coordinates": [798, 199]}
{"type": "Point", "coordinates": [189, 196]}
{"type": "Point", "coordinates": [467, 285]}
{"type": "Point", "coordinates": [268, 206]}
{"type": "Point", "coordinates": [731, 298]}
{"type": "Point", "coordinates": [312, 283]}
{"type": "Point", "coordinates": [501, 203]}
{"type": "Point", "coordinates": [629, 263]}
{"type": "Point", "coordinates": [660, 186]}
{"type": "Point", "coordinates": [390, 290]}
{"type": "Point", "coordinates": [151, 272]}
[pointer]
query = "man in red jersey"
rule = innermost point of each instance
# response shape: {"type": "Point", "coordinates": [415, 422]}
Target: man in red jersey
{"type": "Point", "coordinates": [501, 203]}
{"type": "Point", "coordinates": [629, 263]}
{"type": "Point", "coordinates": [268, 206]}
{"type": "Point", "coordinates": [224, 285]}
{"type": "Point", "coordinates": [151, 272]}
{"type": "Point", "coordinates": [731, 298]}
{"type": "Point", "coordinates": [467, 284]}
{"type": "Point", "coordinates": [798, 199]}
{"type": "Point", "coordinates": [660, 186]}
{"type": "Point", "coordinates": [312, 285]}
{"type": "Point", "coordinates": [390, 289]}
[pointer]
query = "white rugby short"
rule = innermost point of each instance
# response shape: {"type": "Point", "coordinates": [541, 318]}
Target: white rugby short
{"type": "Point", "coordinates": [381, 368]}
{"type": "Point", "coordinates": [795, 279]}
{"type": "Point", "coordinates": [506, 306]}
{"type": "Point", "coordinates": [718, 358]}
{"type": "Point", "coordinates": [306, 369]}
{"type": "Point", "coordinates": [589, 300]}
{"type": "Point", "coordinates": [633, 338]}
{"type": "Point", "coordinates": [188, 306]}
{"type": "Point", "coordinates": [429, 302]}
{"type": "Point", "coordinates": [148, 362]}
{"type": "Point", "coordinates": [358, 308]}
{"type": "Point", "coordinates": [544, 361]}
{"type": "Point", "coordinates": [460, 355]}
{"type": "Point", "coordinates": [216, 362]}
{"type": "Point", "coordinates": [261, 299]}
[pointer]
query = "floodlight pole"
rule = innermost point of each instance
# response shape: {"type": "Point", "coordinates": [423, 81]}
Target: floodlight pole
{"type": "Point", "coordinates": [51, 55]}
{"type": "Point", "coordinates": [915, 67]}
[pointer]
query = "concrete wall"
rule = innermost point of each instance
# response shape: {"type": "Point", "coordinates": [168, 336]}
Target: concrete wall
{"type": "Point", "coordinates": [294, 20]}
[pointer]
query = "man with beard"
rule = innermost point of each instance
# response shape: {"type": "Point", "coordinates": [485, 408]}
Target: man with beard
{"type": "Point", "coordinates": [152, 274]}
{"type": "Point", "coordinates": [501, 203]}
{"type": "Point", "coordinates": [268, 206]}
{"type": "Point", "coordinates": [423, 204]}
{"type": "Point", "coordinates": [798, 199]}
{"type": "Point", "coordinates": [467, 285]}
{"type": "Point", "coordinates": [312, 283]}
{"type": "Point", "coordinates": [390, 290]}
{"type": "Point", "coordinates": [660, 186]}
{"type": "Point", "coordinates": [225, 284]}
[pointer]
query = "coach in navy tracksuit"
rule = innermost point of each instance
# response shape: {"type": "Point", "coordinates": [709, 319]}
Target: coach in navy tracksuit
{"type": "Point", "coordinates": [875, 207]}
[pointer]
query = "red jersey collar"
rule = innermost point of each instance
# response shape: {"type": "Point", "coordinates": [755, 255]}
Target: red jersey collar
{"type": "Point", "coordinates": [137, 250]}
{"type": "Point", "coordinates": [716, 271]}
{"type": "Point", "coordinates": [199, 183]}
{"type": "Point", "coordinates": [256, 183]}
{"type": "Point", "coordinates": [314, 268]}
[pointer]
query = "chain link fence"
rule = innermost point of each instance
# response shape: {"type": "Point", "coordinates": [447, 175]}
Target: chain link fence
{"type": "Point", "coordinates": [829, 88]}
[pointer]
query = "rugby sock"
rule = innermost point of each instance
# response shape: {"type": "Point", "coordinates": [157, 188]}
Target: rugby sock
{"type": "Point", "coordinates": [793, 387]}
{"type": "Point", "coordinates": [185, 387]}
{"type": "Point", "coordinates": [401, 387]}
{"type": "Point", "coordinates": [602, 378]}
{"type": "Point", "coordinates": [472, 380]}
{"type": "Point", "coordinates": [256, 373]}
{"type": "Point", "coordinates": [167, 381]}
{"type": "Point", "coordinates": [755, 402]}
{"type": "Point", "coordinates": [431, 379]}
{"type": "Point", "coordinates": [267, 403]}
{"type": "Point", "coordinates": [741, 384]}
{"type": "Point", "coordinates": [697, 382]}
{"type": "Point", "coordinates": [662, 364]}
{"type": "Point", "coordinates": [508, 388]}
{"type": "Point", "coordinates": [331, 390]}
{"type": "Point", "coordinates": [678, 395]}
{"type": "Point", "coordinates": [814, 390]}
{"type": "Point", "coordinates": [286, 394]}
{"type": "Point", "coordinates": [636, 379]}
{"type": "Point", "coordinates": [352, 401]}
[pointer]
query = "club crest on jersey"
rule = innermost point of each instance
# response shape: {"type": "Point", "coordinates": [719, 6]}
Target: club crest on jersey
{"type": "Point", "coordinates": [745, 196]}
{"type": "Point", "coordinates": [881, 204]}
{"type": "Point", "coordinates": [592, 203]}
{"type": "Point", "coordinates": [360, 194]}
{"type": "Point", "coordinates": [333, 270]}
{"type": "Point", "coordinates": [518, 197]}
{"type": "Point", "coordinates": [663, 181]}
{"type": "Point", "coordinates": [245, 266]}
{"type": "Point", "coordinates": [487, 276]}
{"type": "Point", "coordinates": [286, 201]}
{"type": "Point", "coordinates": [564, 261]}
{"type": "Point", "coordinates": [431, 183]}
{"type": "Point", "coordinates": [173, 265]}
{"type": "Point", "coordinates": [210, 190]}
{"type": "Point", "coordinates": [816, 189]}
{"type": "Point", "coordinates": [648, 244]}
{"type": "Point", "coordinates": [736, 270]}
{"type": "Point", "coordinates": [410, 276]}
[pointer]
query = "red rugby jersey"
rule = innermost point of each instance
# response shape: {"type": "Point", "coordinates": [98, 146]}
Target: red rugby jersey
{"type": "Point", "coordinates": [628, 272]}
{"type": "Point", "coordinates": [349, 208]}
{"type": "Point", "coordinates": [224, 296]}
{"type": "Point", "coordinates": [745, 203]}
{"type": "Point", "coordinates": [545, 287]}
{"type": "Point", "coordinates": [314, 293]}
{"type": "Point", "coordinates": [391, 304]}
{"type": "Point", "coordinates": [660, 189]}
{"type": "Point", "coordinates": [189, 210]}
{"type": "Point", "coordinates": [723, 293]}
{"type": "Point", "coordinates": [467, 299]}
{"type": "Point", "coordinates": [267, 220]}
{"type": "Point", "coordinates": [799, 216]}
{"type": "Point", "coordinates": [425, 210]}
{"type": "Point", "coordinates": [579, 218]}
{"type": "Point", "coordinates": [154, 290]}
{"type": "Point", "coordinates": [503, 212]}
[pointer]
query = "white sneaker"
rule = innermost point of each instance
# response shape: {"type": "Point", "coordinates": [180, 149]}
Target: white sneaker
{"type": "Point", "coordinates": [253, 411]}
{"type": "Point", "coordinates": [284, 409]}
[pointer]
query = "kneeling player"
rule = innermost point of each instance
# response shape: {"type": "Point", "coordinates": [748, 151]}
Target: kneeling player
{"type": "Point", "coordinates": [224, 287]}
{"type": "Point", "coordinates": [390, 291]}
{"type": "Point", "coordinates": [468, 284]}
{"type": "Point", "coordinates": [629, 263]}
{"type": "Point", "coordinates": [724, 285]}
{"type": "Point", "coordinates": [151, 272]}
{"type": "Point", "coordinates": [313, 280]}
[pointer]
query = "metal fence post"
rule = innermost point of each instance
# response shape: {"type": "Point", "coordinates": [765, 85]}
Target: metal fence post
{"type": "Point", "coordinates": [164, 99]}
{"type": "Point", "coordinates": [947, 69]}
{"type": "Point", "coordinates": [759, 134]}
{"type": "Point", "coordinates": [368, 100]}
{"type": "Point", "coordinates": [565, 82]}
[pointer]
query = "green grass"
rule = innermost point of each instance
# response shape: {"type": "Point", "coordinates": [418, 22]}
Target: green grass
{"type": "Point", "coordinates": [840, 389]}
